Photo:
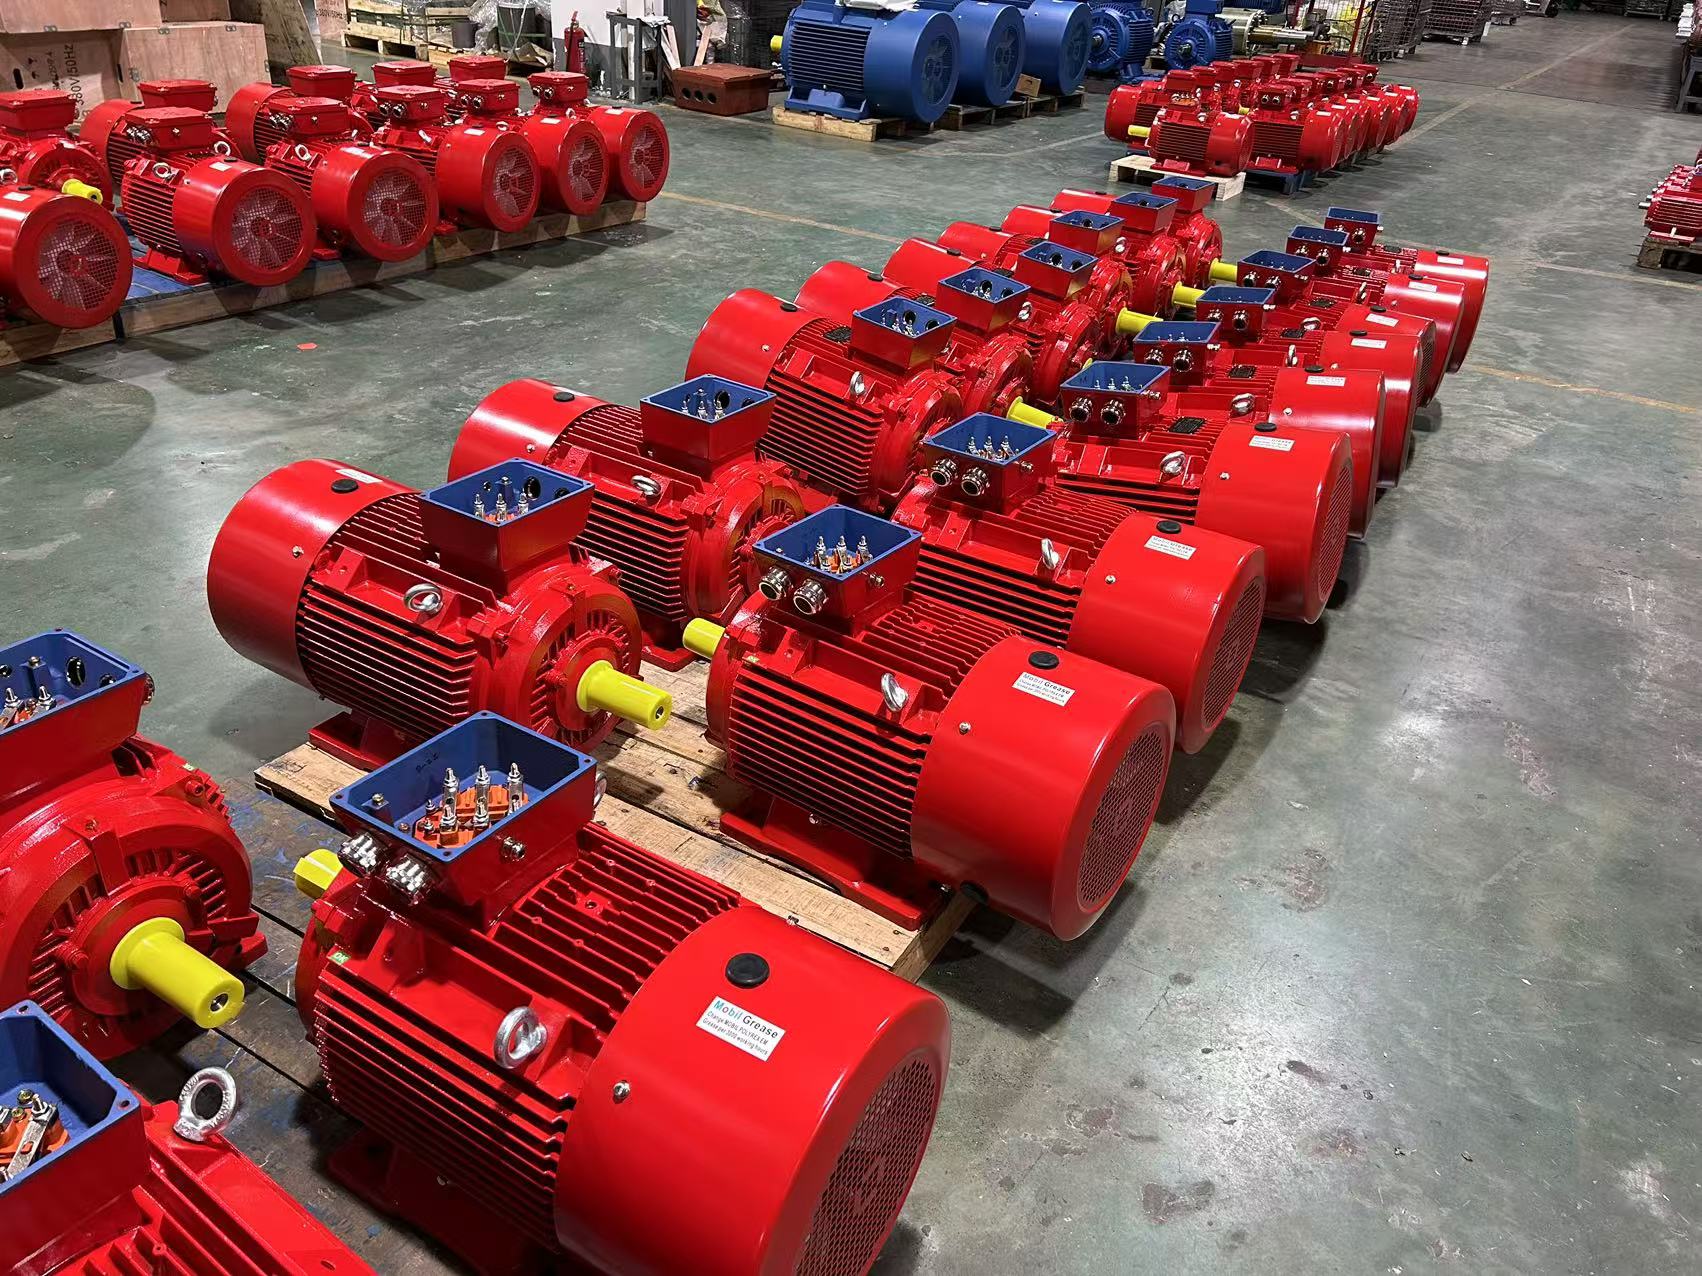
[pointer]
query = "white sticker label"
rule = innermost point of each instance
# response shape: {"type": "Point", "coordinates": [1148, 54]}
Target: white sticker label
{"type": "Point", "coordinates": [1044, 688]}
{"type": "Point", "coordinates": [359, 476]}
{"type": "Point", "coordinates": [220, 166]}
{"type": "Point", "coordinates": [473, 132]}
{"type": "Point", "coordinates": [1421, 285]}
{"type": "Point", "coordinates": [1274, 445]}
{"type": "Point", "coordinates": [1388, 321]}
{"type": "Point", "coordinates": [739, 1027]}
{"type": "Point", "coordinates": [1176, 549]}
{"type": "Point", "coordinates": [1323, 381]}
{"type": "Point", "coordinates": [18, 196]}
{"type": "Point", "coordinates": [1367, 341]}
{"type": "Point", "coordinates": [1452, 261]}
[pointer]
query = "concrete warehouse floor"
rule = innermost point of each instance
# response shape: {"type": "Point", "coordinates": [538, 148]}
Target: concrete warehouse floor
{"type": "Point", "coordinates": [1407, 974]}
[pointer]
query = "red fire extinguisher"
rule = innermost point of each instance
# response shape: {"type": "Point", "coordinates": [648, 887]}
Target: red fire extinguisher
{"type": "Point", "coordinates": [573, 39]}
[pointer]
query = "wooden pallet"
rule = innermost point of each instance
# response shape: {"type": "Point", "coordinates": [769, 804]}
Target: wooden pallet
{"type": "Point", "coordinates": [667, 792]}
{"type": "Point", "coordinates": [158, 303]}
{"type": "Point", "coordinates": [1663, 254]}
{"type": "Point", "coordinates": [1143, 170]}
{"type": "Point", "coordinates": [956, 118]}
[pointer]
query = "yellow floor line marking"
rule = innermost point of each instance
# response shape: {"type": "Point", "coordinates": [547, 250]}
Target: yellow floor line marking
{"type": "Point", "coordinates": [1508, 87]}
{"type": "Point", "coordinates": [1550, 383]}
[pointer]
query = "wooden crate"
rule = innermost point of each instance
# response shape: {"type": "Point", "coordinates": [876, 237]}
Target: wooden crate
{"type": "Point", "coordinates": [157, 304]}
{"type": "Point", "coordinates": [869, 130]}
{"type": "Point", "coordinates": [667, 792]}
{"type": "Point", "coordinates": [1663, 254]}
{"type": "Point", "coordinates": [1143, 170]}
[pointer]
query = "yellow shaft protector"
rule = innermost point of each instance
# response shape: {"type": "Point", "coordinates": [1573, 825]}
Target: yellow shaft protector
{"type": "Point", "coordinates": [1026, 415]}
{"type": "Point", "coordinates": [1225, 272]}
{"type": "Point", "coordinates": [315, 871]}
{"type": "Point", "coordinates": [702, 637]}
{"type": "Point", "coordinates": [607, 688]}
{"type": "Point", "coordinates": [153, 955]}
{"type": "Point", "coordinates": [1186, 296]}
{"type": "Point", "coordinates": [1130, 323]}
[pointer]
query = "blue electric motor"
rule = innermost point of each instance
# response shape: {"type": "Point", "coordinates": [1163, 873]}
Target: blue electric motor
{"type": "Point", "coordinates": [1059, 33]}
{"type": "Point", "coordinates": [1199, 36]}
{"type": "Point", "coordinates": [881, 57]}
{"type": "Point", "coordinates": [991, 47]}
{"type": "Point", "coordinates": [1121, 40]}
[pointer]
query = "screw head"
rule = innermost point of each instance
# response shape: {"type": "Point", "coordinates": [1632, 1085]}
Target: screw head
{"type": "Point", "coordinates": [621, 1091]}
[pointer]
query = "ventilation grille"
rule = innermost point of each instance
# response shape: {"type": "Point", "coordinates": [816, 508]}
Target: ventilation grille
{"type": "Point", "coordinates": [1120, 824]}
{"type": "Point", "coordinates": [872, 1176]}
{"type": "Point", "coordinates": [1234, 650]}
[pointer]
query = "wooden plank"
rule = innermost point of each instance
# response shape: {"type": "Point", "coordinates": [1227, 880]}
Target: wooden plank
{"type": "Point", "coordinates": [289, 39]}
{"type": "Point", "coordinates": [1142, 169]}
{"type": "Point", "coordinates": [229, 54]}
{"type": "Point", "coordinates": [667, 792]}
{"type": "Point", "coordinates": [868, 130]}
{"type": "Point", "coordinates": [22, 342]}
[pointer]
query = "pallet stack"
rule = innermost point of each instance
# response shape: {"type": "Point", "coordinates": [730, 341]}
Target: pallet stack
{"type": "Point", "coordinates": [1460, 20]}
{"type": "Point", "coordinates": [422, 29]}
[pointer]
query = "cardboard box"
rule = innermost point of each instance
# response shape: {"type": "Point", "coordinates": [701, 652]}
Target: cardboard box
{"type": "Point", "coordinates": [26, 16]}
{"type": "Point", "coordinates": [84, 63]}
{"type": "Point", "coordinates": [194, 11]}
{"type": "Point", "coordinates": [230, 54]}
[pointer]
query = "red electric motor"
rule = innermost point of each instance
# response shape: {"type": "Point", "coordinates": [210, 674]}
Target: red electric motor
{"type": "Point", "coordinates": [111, 132]}
{"type": "Point", "coordinates": [63, 258]}
{"type": "Point", "coordinates": [635, 141]}
{"type": "Point", "coordinates": [1285, 488]}
{"type": "Point", "coordinates": [1177, 605]}
{"type": "Point", "coordinates": [94, 1181]}
{"type": "Point", "coordinates": [1673, 216]}
{"type": "Point", "coordinates": [199, 211]}
{"type": "Point", "coordinates": [1290, 136]}
{"type": "Point", "coordinates": [1439, 300]}
{"type": "Point", "coordinates": [1069, 290]}
{"type": "Point", "coordinates": [416, 609]}
{"type": "Point", "coordinates": [679, 497]}
{"type": "Point", "coordinates": [852, 402]}
{"type": "Point", "coordinates": [36, 148]}
{"type": "Point", "coordinates": [1405, 348]}
{"type": "Point", "coordinates": [255, 123]}
{"type": "Point", "coordinates": [1437, 265]}
{"type": "Point", "coordinates": [366, 199]}
{"type": "Point", "coordinates": [401, 73]}
{"type": "Point", "coordinates": [124, 894]}
{"type": "Point", "coordinates": [987, 352]}
{"type": "Point", "coordinates": [1135, 106]}
{"type": "Point", "coordinates": [1151, 256]}
{"type": "Point", "coordinates": [1239, 376]}
{"type": "Point", "coordinates": [476, 66]}
{"type": "Point", "coordinates": [1189, 140]}
{"type": "Point", "coordinates": [1200, 236]}
{"type": "Point", "coordinates": [901, 746]}
{"type": "Point", "coordinates": [560, 1045]}
{"type": "Point", "coordinates": [568, 148]}
{"type": "Point", "coordinates": [485, 176]}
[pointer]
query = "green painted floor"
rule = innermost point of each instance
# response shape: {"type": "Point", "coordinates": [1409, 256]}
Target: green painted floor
{"type": "Point", "coordinates": [1407, 975]}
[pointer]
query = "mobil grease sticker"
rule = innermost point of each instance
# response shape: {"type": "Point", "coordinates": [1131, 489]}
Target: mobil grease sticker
{"type": "Point", "coordinates": [1419, 283]}
{"type": "Point", "coordinates": [1386, 321]}
{"type": "Point", "coordinates": [1043, 688]}
{"type": "Point", "coordinates": [1452, 261]}
{"type": "Point", "coordinates": [1368, 341]}
{"type": "Point", "coordinates": [1272, 444]}
{"type": "Point", "coordinates": [1164, 545]}
{"type": "Point", "coordinates": [1336, 381]}
{"type": "Point", "coordinates": [359, 476]}
{"type": "Point", "coordinates": [738, 1027]}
